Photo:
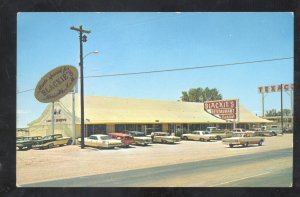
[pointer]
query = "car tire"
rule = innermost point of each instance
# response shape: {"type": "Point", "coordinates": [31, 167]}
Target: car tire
{"type": "Point", "coordinates": [260, 143]}
{"type": "Point", "coordinates": [219, 138]}
{"type": "Point", "coordinates": [185, 138]}
{"type": "Point", "coordinates": [246, 144]}
{"type": "Point", "coordinates": [274, 134]}
{"type": "Point", "coordinates": [231, 145]}
{"type": "Point", "coordinates": [201, 139]}
{"type": "Point", "coordinates": [69, 142]}
{"type": "Point", "coordinates": [51, 145]}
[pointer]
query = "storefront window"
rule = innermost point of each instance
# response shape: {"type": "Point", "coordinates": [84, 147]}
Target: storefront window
{"type": "Point", "coordinates": [95, 129]}
{"type": "Point", "coordinates": [145, 128]}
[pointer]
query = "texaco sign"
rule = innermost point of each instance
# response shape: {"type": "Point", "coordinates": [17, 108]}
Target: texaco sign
{"type": "Point", "coordinates": [223, 109]}
{"type": "Point", "coordinates": [275, 88]}
{"type": "Point", "coordinates": [56, 84]}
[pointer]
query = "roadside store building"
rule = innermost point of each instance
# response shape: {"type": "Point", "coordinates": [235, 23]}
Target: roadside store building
{"type": "Point", "coordinates": [109, 114]}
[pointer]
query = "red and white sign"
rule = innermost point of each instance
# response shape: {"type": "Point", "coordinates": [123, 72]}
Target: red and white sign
{"type": "Point", "coordinates": [224, 109]}
{"type": "Point", "coordinates": [275, 88]}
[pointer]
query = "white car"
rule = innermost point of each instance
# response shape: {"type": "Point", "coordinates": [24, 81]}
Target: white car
{"type": "Point", "coordinates": [199, 135]}
{"type": "Point", "coordinates": [243, 139]}
{"type": "Point", "coordinates": [101, 141]}
{"type": "Point", "coordinates": [164, 137]}
{"type": "Point", "coordinates": [239, 130]}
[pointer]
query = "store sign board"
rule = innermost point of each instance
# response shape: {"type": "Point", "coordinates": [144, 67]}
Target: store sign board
{"type": "Point", "coordinates": [275, 88]}
{"type": "Point", "coordinates": [56, 84]}
{"type": "Point", "coordinates": [224, 109]}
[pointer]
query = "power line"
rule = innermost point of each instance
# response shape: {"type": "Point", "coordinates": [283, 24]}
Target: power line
{"type": "Point", "coordinates": [25, 91]}
{"type": "Point", "coordinates": [188, 68]}
{"type": "Point", "coordinates": [180, 69]}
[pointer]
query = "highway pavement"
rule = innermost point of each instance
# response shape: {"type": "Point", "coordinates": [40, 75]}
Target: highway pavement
{"type": "Point", "coordinates": [265, 169]}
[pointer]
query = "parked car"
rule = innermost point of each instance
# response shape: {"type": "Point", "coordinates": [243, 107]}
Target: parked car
{"type": "Point", "coordinates": [164, 137]}
{"type": "Point", "coordinates": [239, 130]}
{"type": "Point", "coordinates": [275, 129]}
{"type": "Point", "coordinates": [125, 138]}
{"type": "Point", "coordinates": [244, 139]}
{"type": "Point", "coordinates": [210, 129]}
{"type": "Point", "coordinates": [220, 134]}
{"type": "Point", "coordinates": [265, 133]}
{"type": "Point", "coordinates": [20, 138]}
{"type": "Point", "coordinates": [199, 135]}
{"type": "Point", "coordinates": [288, 130]}
{"type": "Point", "coordinates": [50, 141]}
{"type": "Point", "coordinates": [101, 141]}
{"type": "Point", "coordinates": [140, 138]}
{"type": "Point", "coordinates": [27, 142]}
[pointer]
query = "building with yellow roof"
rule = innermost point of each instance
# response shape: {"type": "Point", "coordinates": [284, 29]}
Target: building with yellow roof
{"type": "Point", "coordinates": [110, 114]}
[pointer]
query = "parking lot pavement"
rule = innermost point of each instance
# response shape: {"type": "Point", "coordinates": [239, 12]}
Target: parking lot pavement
{"type": "Point", "coordinates": [72, 161]}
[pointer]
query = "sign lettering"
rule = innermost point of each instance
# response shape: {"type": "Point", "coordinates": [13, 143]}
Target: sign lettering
{"type": "Point", "coordinates": [224, 109]}
{"type": "Point", "coordinates": [56, 84]}
{"type": "Point", "coordinates": [275, 88]}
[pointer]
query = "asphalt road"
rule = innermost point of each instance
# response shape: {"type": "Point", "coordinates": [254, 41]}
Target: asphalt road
{"type": "Point", "coordinates": [267, 169]}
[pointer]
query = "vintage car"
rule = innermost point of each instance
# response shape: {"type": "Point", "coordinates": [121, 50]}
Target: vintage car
{"type": "Point", "coordinates": [239, 130]}
{"type": "Point", "coordinates": [244, 139]}
{"type": "Point", "coordinates": [101, 141]}
{"type": "Point", "coordinates": [266, 133]}
{"type": "Point", "coordinates": [125, 138]}
{"type": "Point", "coordinates": [220, 134]}
{"type": "Point", "coordinates": [27, 142]}
{"type": "Point", "coordinates": [164, 137]}
{"type": "Point", "coordinates": [140, 138]}
{"type": "Point", "coordinates": [50, 141]}
{"type": "Point", "coordinates": [199, 135]}
{"type": "Point", "coordinates": [210, 129]}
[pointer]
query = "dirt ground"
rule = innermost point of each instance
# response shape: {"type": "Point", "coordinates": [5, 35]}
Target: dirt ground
{"type": "Point", "coordinates": [72, 161]}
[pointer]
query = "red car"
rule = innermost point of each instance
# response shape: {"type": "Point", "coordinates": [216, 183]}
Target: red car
{"type": "Point", "coordinates": [125, 138]}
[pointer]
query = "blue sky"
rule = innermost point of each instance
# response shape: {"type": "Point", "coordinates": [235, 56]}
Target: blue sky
{"type": "Point", "coordinates": [133, 42]}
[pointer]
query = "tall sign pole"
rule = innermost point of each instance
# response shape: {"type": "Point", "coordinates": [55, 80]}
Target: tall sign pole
{"type": "Point", "coordinates": [281, 109]}
{"type": "Point", "coordinates": [82, 38]}
{"type": "Point", "coordinates": [263, 104]}
{"type": "Point", "coordinates": [73, 117]}
{"type": "Point", "coordinates": [52, 118]}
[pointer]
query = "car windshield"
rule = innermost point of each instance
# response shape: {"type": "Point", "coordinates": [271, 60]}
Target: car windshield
{"type": "Point", "coordinates": [211, 129]}
{"type": "Point", "coordinates": [105, 137]}
{"type": "Point", "coordinates": [136, 134]}
{"type": "Point", "coordinates": [205, 132]}
{"type": "Point", "coordinates": [49, 137]}
{"type": "Point", "coordinates": [161, 134]}
{"type": "Point", "coordinates": [237, 134]}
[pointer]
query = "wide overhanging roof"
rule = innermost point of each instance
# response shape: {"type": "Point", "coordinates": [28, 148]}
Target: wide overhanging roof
{"type": "Point", "coordinates": [105, 110]}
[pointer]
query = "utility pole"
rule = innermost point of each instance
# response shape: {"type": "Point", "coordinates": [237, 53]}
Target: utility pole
{"type": "Point", "coordinates": [82, 38]}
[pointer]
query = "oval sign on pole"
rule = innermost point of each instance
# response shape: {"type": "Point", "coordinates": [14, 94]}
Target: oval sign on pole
{"type": "Point", "coordinates": [56, 84]}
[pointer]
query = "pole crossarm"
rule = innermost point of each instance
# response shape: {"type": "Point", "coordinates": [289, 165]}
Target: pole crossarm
{"type": "Point", "coordinates": [80, 30]}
